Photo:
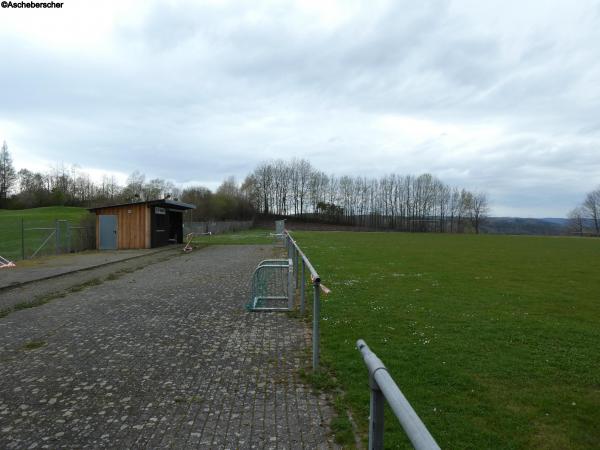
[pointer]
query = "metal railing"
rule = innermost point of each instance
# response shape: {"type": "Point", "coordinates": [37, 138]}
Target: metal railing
{"type": "Point", "coordinates": [384, 388]}
{"type": "Point", "coordinates": [272, 286]}
{"type": "Point", "coordinates": [302, 264]}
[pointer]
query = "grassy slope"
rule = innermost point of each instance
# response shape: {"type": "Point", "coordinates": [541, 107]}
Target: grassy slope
{"type": "Point", "coordinates": [10, 226]}
{"type": "Point", "coordinates": [494, 339]}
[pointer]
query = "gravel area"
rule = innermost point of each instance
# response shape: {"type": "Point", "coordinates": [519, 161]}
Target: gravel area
{"type": "Point", "coordinates": [164, 357]}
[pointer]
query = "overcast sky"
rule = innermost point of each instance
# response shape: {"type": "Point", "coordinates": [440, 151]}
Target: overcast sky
{"type": "Point", "coordinates": [498, 96]}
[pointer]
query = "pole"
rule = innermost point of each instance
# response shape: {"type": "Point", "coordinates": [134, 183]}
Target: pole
{"type": "Point", "coordinates": [291, 292]}
{"type": "Point", "coordinates": [57, 236]}
{"type": "Point", "coordinates": [68, 237]}
{"type": "Point", "coordinates": [22, 238]}
{"type": "Point", "coordinates": [316, 332]}
{"type": "Point", "coordinates": [302, 288]}
{"type": "Point", "coordinates": [376, 418]}
{"type": "Point", "coordinates": [296, 267]}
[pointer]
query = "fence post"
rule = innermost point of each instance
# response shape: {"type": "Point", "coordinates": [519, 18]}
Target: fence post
{"type": "Point", "coordinates": [291, 292]}
{"type": "Point", "coordinates": [22, 238]}
{"type": "Point", "coordinates": [316, 332]}
{"type": "Point", "coordinates": [297, 267]}
{"type": "Point", "coordinates": [302, 288]}
{"type": "Point", "coordinates": [376, 417]}
{"type": "Point", "coordinates": [57, 236]}
{"type": "Point", "coordinates": [68, 237]}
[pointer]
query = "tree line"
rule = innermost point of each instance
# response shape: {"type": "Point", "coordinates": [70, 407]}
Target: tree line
{"type": "Point", "coordinates": [70, 186]}
{"type": "Point", "coordinates": [396, 202]}
{"type": "Point", "coordinates": [284, 188]}
{"type": "Point", "coordinates": [585, 218]}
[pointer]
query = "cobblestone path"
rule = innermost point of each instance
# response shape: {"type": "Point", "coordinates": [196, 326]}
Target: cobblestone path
{"type": "Point", "coordinates": [164, 357]}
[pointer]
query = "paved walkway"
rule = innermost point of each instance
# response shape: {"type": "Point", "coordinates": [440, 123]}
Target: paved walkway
{"type": "Point", "coordinates": [51, 266]}
{"type": "Point", "coordinates": [164, 357]}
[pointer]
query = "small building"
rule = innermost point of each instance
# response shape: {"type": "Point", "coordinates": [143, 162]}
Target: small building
{"type": "Point", "coordinates": [147, 224]}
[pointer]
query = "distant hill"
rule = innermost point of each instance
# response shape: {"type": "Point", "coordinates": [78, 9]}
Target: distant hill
{"type": "Point", "coordinates": [520, 225]}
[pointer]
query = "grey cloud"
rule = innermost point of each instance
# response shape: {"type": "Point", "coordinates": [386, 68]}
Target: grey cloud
{"type": "Point", "coordinates": [218, 88]}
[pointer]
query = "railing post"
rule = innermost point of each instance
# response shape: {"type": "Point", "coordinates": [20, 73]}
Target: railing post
{"type": "Point", "coordinates": [297, 267]}
{"type": "Point", "coordinates": [384, 389]}
{"type": "Point", "coordinates": [302, 288]}
{"type": "Point", "coordinates": [22, 238]}
{"type": "Point", "coordinates": [57, 236]}
{"type": "Point", "coordinates": [68, 237]}
{"type": "Point", "coordinates": [289, 282]}
{"type": "Point", "coordinates": [376, 417]}
{"type": "Point", "coordinates": [316, 332]}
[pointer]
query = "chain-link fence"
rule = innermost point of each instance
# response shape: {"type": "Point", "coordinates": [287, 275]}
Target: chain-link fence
{"type": "Point", "coordinates": [25, 239]}
{"type": "Point", "coordinates": [217, 227]}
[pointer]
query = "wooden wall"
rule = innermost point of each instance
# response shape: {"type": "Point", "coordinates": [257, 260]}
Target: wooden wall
{"type": "Point", "coordinates": [133, 225]}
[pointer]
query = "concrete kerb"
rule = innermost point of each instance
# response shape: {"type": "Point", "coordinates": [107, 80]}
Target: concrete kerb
{"type": "Point", "coordinates": [84, 269]}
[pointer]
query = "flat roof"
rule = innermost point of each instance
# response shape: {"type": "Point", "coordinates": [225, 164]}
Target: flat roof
{"type": "Point", "coordinates": [162, 203]}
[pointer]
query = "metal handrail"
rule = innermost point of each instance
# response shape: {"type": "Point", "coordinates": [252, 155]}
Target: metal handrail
{"type": "Point", "coordinates": [383, 387]}
{"type": "Point", "coordinates": [295, 253]}
{"type": "Point", "coordinates": [313, 273]}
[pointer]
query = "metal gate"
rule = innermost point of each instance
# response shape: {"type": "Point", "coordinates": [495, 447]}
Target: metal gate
{"type": "Point", "coordinates": [108, 232]}
{"type": "Point", "coordinates": [272, 286]}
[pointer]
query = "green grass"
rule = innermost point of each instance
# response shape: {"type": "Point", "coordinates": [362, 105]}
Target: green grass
{"type": "Point", "coordinates": [495, 340]}
{"type": "Point", "coordinates": [10, 227]}
{"type": "Point", "coordinates": [254, 236]}
{"type": "Point", "coordinates": [33, 345]}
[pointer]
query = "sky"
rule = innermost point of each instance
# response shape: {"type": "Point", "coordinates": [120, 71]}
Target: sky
{"type": "Point", "coordinates": [494, 96]}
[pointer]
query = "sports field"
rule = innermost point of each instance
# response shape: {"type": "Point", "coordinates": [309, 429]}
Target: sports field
{"type": "Point", "coordinates": [10, 227]}
{"type": "Point", "coordinates": [495, 340]}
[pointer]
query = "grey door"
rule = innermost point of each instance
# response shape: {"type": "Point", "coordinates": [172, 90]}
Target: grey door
{"type": "Point", "coordinates": [108, 232]}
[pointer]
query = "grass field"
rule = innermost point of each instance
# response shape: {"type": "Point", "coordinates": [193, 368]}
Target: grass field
{"type": "Point", "coordinates": [10, 227]}
{"type": "Point", "coordinates": [253, 236]}
{"type": "Point", "coordinates": [495, 340]}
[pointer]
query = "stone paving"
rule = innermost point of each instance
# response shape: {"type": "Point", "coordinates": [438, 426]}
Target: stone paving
{"type": "Point", "coordinates": [164, 357]}
{"type": "Point", "coordinates": [52, 266]}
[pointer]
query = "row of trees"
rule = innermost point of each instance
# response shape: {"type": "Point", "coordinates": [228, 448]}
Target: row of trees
{"type": "Point", "coordinates": [585, 218]}
{"type": "Point", "coordinates": [399, 202]}
{"type": "Point", "coordinates": [288, 188]}
{"type": "Point", "coordinates": [70, 186]}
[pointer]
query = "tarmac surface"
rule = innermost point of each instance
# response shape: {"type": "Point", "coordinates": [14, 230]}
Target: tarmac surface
{"type": "Point", "coordinates": [162, 355]}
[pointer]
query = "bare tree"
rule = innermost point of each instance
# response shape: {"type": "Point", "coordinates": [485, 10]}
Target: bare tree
{"type": "Point", "coordinates": [591, 206]}
{"type": "Point", "coordinates": [135, 186]}
{"type": "Point", "coordinates": [577, 220]}
{"type": "Point", "coordinates": [479, 210]}
{"type": "Point", "coordinates": [8, 176]}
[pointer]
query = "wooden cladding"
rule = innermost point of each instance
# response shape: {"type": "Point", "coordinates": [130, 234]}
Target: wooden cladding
{"type": "Point", "coordinates": [133, 225]}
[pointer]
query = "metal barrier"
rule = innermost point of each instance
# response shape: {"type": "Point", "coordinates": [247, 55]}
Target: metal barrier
{"type": "Point", "coordinates": [272, 288]}
{"type": "Point", "coordinates": [296, 255]}
{"type": "Point", "coordinates": [384, 388]}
